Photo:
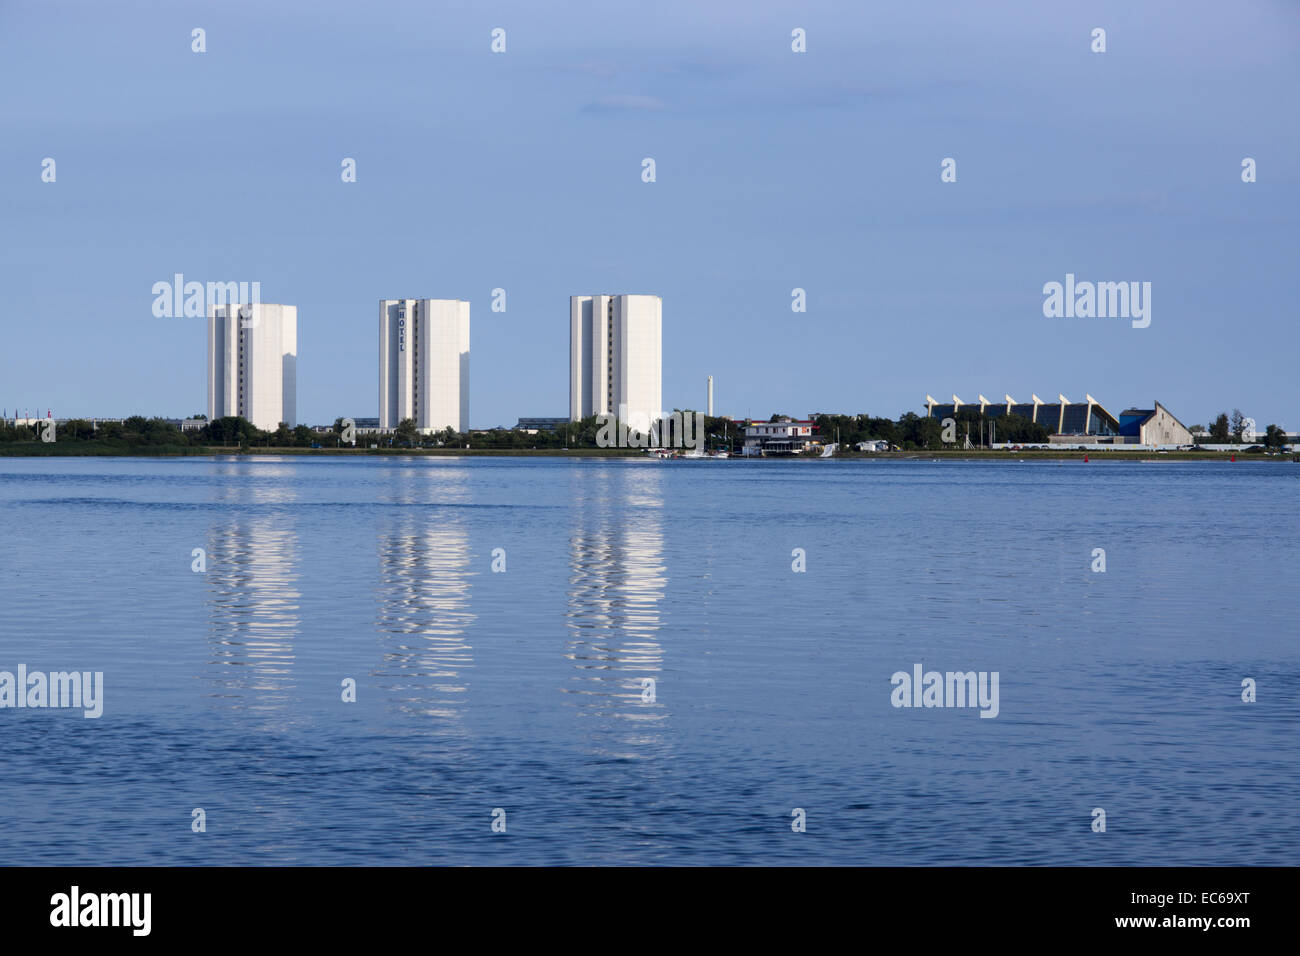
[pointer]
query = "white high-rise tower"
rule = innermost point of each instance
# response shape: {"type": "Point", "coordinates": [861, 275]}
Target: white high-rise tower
{"type": "Point", "coordinates": [424, 363]}
{"type": "Point", "coordinates": [616, 357]}
{"type": "Point", "coordinates": [253, 363]}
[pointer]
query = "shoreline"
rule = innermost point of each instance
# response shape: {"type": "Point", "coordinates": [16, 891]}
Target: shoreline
{"type": "Point", "coordinates": [34, 450]}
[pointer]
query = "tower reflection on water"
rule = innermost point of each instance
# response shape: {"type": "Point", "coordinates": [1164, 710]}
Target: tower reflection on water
{"type": "Point", "coordinates": [616, 585]}
{"type": "Point", "coordinates": [253, 580]}
{"type": "Point", "coordinates": [424, 595]}
{"type": "Point", "coordinates": [423, 613]}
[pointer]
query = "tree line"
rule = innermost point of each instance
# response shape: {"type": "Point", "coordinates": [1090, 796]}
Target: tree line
{"type": "Point", "coordinates": [1229, 430]}
{"type": "Point", "coordinates": [912, 431]}
{"type": "Point", "coordinates": [909, 431]}
{"type": "Point", "coordinates": [140, 434]}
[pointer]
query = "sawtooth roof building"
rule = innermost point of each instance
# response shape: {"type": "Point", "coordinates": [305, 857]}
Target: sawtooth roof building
{"type": "Point", "coordinates": [1086, 422]}
{"type": "Point", "coordinates": [1062, 417]}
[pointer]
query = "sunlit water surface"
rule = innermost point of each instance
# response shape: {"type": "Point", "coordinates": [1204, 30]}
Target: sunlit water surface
{"type": "Point", "coordinates": [527, 689]}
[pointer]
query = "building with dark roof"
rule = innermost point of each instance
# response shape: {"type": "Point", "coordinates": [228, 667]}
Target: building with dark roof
{"type": "Point", "coordinates": [785, 436]}
{"type": "Point", "coordinates": [540, 424]}
{"type": "Point", "coordinates": [1086, 419]}
{"type": "Point", "coordinates": [1086, 422]}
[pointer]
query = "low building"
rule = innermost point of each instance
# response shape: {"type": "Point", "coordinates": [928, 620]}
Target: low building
{"type": "Point", "coordinates": [535, 425]}
{"type": "Point", "coordinates": [785, 436]}
{"type": "Point", "coordinates": [1153, 426]}
{"type": "Point", "coordinates": [876, 444]}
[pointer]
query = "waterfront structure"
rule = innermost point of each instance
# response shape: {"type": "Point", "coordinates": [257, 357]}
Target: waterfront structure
{"type": "Point", "coordinates": [253, 363]}
{"type": "Point", "coordinates": [616, 358]}
{"type": "Point", "coordinates": [785, 436]}
{"type": "Point", "coordinates": [540, 424]}
{"type": "Point", "coordinates": [1064, 418]}
{"type": "Point", "coordinates": [1085, 422]}
{"type": "Point", "coordinates": [1153, 426]}
{"type": "Point", "coordinates": [424, 363]}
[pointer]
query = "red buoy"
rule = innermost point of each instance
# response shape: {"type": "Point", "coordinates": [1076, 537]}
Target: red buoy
{"type": "Point", "coordinates": [1085, 459]}
{"type": "Point", "coordinates": [1232, 458]}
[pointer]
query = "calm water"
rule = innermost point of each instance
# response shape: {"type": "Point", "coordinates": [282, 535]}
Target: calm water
{"type": "Point", "coordinates": [523, 690]}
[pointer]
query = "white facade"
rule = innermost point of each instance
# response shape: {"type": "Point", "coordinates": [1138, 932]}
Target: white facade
{"type": "Point", "coordinates": [253, 363]}
{"type": "Point", "coordinates": [786, 437]}
{"type": "Point", "coordinates": [424, 363]}
{"type": "Point", "coordinates": [616, 357]}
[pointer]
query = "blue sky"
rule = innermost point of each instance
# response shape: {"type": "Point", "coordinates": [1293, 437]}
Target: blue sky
{"type": "Point", "coordinates": [775, 170]}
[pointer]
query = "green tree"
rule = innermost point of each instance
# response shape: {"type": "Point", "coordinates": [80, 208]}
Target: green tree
{"type": "Point", "coordinates": [75, 430]}
{"type": "Point", "coordinates": [722, 433]}
{"type": "Point", "coordinates": [338, 432]}
{"type": "Point", "coordinates": [582, 434]}
{"type": "Point", "coordinates": [915, 431]}
{"type": "Point", "coordinates": [1219, 430]}
{"type": "Point", "coordinates": [1238, 424]}
{"type": "Point", "coordinates": [230, 430]}
{"type": "Point", "coordinates": [1020, 430]}
{"type": "Point", "coordinates": [879, 428]}
{"type": "Point", "coordinates": [407, 433]}
{"type": "Point", "coordinates": [846, 427]}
